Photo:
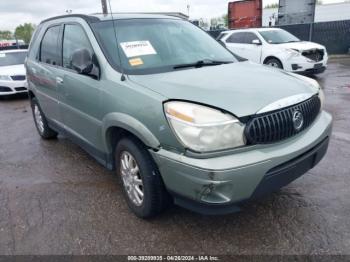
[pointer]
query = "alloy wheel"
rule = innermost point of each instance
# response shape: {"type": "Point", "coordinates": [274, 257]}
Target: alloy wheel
{"type": "Point", "coordinates": [38, 119]}
{"type": "Point", "coordinates": [131, 177]}
{"type": "Point", "coordinates": [273, 64]}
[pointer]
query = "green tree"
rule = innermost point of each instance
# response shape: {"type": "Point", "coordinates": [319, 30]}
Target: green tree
{"type": "Point", "coordinates": [25, 32]}
{"type": "Point", "coordinates": [270, 6]}
{"type": "Point", "coordinates": [7, 35]}
{"type": "Point", "coordinates": [225, 19]}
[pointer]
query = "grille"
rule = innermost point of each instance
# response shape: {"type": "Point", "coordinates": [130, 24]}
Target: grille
{"type": "Point", "coordinates": [315, 55]}
{"type": "Point", "coordinates": [5, 89]}
{"type": "Point", "coordinates": [20, 88]}
{"type": "Point", "coordinates": [279, 125]}
{"type": "Point", "coordinates": [18, 78]}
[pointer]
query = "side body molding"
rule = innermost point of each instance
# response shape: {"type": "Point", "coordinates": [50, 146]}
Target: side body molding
{"type": "Point", "coordinates": [130, 124]}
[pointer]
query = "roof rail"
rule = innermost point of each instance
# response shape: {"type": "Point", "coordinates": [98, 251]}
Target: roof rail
{"type": "Point", "coordinates": [92, 18]}
{"type": "Point", "coordinates": [87, 18]}
{"type": "Point", "coordinates": [174, 14]}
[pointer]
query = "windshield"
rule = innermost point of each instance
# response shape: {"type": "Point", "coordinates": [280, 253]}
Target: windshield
{"type": "Point", "coordinates": [278, 37]}
{"type": "Point", "coordinates": [149, 46]}
{"type": "Point", "coordinates": [9, 59]}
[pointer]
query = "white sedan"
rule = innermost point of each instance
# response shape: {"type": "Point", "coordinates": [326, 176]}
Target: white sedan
{"type": "Point", "coordinates": [12, 72]}
{"type": "Point", "coordinates": [278, 48]}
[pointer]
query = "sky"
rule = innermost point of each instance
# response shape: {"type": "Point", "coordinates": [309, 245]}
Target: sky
{"type": "Point", "coordinates": [15, 12]}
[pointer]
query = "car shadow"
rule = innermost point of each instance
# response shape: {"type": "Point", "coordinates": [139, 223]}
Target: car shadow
{"type": "Point", "coordinates": [15, 97]}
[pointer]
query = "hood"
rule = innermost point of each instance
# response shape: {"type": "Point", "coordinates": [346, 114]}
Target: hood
{"type": "Point", "coordinates": [301, 46]}
{"type": "Point", "coordinates": [240, 88]}
{"type": "Point", "coordinates": [12, 70]}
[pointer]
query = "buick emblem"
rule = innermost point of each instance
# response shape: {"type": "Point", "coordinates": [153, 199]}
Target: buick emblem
{"type": "Point", "coordinates": [298, 120]}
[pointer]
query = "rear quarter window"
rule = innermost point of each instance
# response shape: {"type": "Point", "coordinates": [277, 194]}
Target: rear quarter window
{"type": "Point", "coordinates": [34, 44]}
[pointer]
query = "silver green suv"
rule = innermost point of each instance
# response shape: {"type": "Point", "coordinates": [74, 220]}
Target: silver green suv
{"type": "Point", "coordinates": [177, 116]}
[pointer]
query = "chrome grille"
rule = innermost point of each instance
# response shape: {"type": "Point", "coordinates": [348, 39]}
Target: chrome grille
{"type": "Point", "coordinates": [279, 125]}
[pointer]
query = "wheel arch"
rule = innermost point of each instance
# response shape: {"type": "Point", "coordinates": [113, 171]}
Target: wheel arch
{"type": "Point", "coordinates": [272, 57]}
{"type": "Point", "coordinates": [117, 125]}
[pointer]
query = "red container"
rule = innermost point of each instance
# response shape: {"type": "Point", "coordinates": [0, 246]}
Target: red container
{"type": "Point", "coordinates": [245, 14]}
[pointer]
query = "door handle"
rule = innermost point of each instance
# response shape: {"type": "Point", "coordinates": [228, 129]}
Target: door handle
{"type": "Point", "coordinates": [59, 80]}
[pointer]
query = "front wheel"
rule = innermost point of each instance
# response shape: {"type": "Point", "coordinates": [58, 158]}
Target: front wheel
{"type": "Point", "coordinates": [143, 186]}
{"type": "Point", "coordinates": [273, 62]}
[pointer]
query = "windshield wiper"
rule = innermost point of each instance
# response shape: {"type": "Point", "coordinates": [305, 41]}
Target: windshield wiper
{"type": "Point", "coordinates": [202, 63]}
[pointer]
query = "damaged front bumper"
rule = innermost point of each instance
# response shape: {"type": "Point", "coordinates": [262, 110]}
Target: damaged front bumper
{"type": "Point", "coordinates": [217, 185]}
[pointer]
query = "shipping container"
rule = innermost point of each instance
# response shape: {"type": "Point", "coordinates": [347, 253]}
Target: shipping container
{"type": "Point", "coordinates": [245, 14]}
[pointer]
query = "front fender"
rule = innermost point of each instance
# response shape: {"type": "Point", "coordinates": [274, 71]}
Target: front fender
{"type": "Point", "coordinates": [129, 124]}
{"type": "Point", "coordinates": [277, 53]}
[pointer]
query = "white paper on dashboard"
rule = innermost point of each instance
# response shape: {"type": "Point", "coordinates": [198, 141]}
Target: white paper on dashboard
{"type": "Point", "coordinates": [138, 48]}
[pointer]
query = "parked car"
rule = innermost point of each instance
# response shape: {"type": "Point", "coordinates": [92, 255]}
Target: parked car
{"type": "Point", "coordinates": [277, 48]}
{"type": "Point", "coordinates": [11, 43]}
{"type": "Point", "coordinates": [174, 113]}
{"type": "Point", "coordinates": [12, 72]}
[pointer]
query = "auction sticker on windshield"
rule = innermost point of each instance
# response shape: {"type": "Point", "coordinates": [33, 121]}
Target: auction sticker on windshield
{"type": "Point", "coordinates": [138, 48]}
{"type": "Point", "coordinates": [136, 62]}
{"type": "Point", "coordinates": [2, 55]}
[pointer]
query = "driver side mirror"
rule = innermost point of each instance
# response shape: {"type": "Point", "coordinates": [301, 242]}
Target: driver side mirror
{"type": "Point", "coordinates": [256, 42]}
{"type": "Point", "coordinates": [83, 62]}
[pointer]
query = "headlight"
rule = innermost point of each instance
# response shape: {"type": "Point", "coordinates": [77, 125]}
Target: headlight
{"type": "Point", "coordinates": [292, 52]}
{"type": "Point", "coordinates": [204, 129]}
{"type": "Point", "coordinates": [322, 97]}
{"type": "Point", "coordinates": [5, 78]}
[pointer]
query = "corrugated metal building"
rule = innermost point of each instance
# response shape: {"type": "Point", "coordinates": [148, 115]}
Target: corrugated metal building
{"type": "Point", "coordinates": [324, 13]}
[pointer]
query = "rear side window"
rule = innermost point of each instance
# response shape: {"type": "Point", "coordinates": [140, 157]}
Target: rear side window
{"type": "Point", "coordinates": [242, 38]}
{"type": "Point", "coordinates": [74, 39]}
{"type": "Point", "coordinates": [49, 52]}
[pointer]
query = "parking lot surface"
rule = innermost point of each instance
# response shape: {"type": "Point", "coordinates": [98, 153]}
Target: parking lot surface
{"type": "Point", "coordinates": [56, 199]}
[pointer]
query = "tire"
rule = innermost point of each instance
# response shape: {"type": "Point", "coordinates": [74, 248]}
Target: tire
{"type": "Point", "coordinates": [274, 62]}
{"type": "Point", "coordinates": [129, 154]}
{"type": "Point", "coordinates": [40, 121]}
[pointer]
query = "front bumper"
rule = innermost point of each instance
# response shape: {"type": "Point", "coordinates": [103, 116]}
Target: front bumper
{"type": "Point", "coordinates": [13, 87]}
{"type": "Point", "coordinates": [217, 185]}
{"type": "Point", "coordinates": [302, 64]}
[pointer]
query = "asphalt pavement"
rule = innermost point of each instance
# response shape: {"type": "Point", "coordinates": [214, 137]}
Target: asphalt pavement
{"type": "Point", "coordinates": [56, 199]}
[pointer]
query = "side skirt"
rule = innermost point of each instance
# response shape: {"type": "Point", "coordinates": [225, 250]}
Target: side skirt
{"type": "Point", "coordinates": [104, 159]}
